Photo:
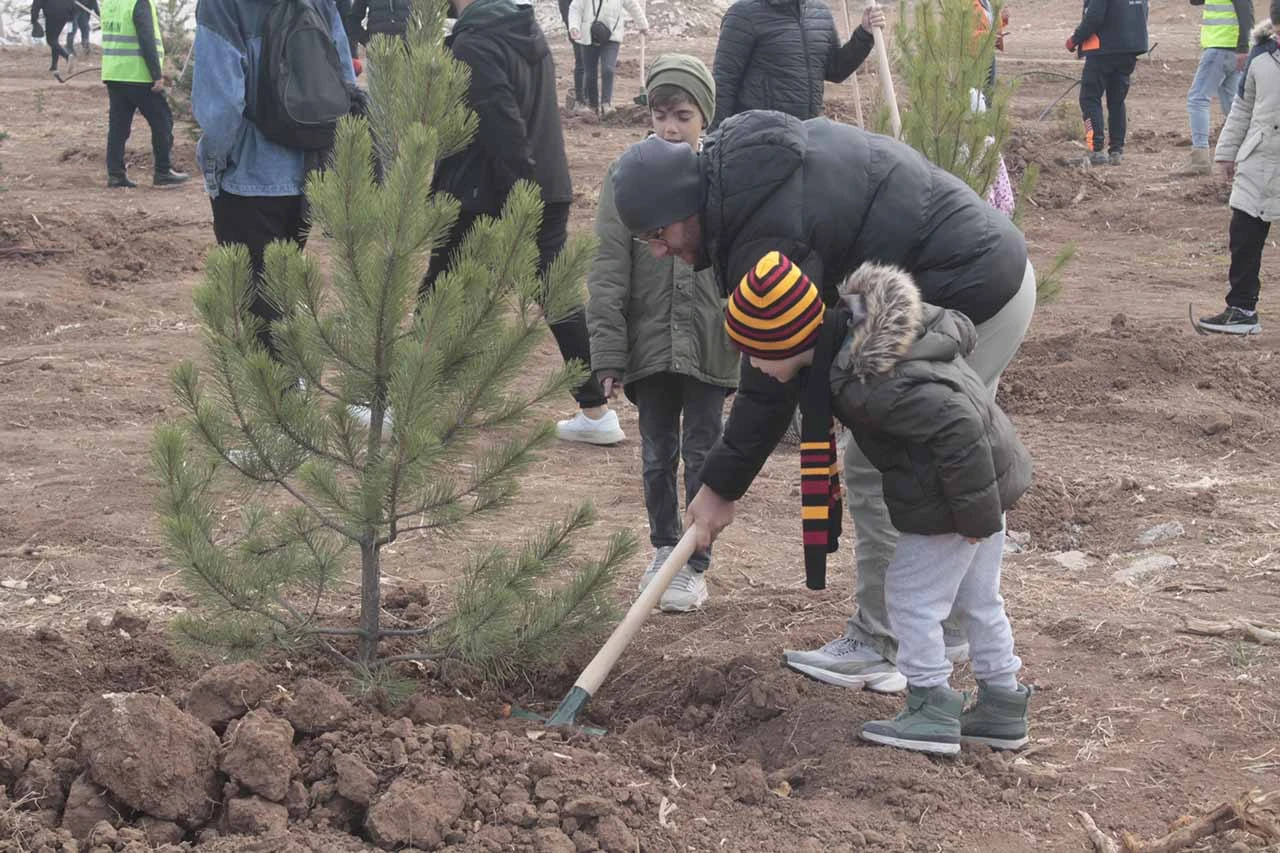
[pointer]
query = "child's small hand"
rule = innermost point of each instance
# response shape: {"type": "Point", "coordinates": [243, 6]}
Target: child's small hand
{"type": "Point", "coordinates": [612, 387]}
{"type": "Point", "coordinates": [1228, 170]}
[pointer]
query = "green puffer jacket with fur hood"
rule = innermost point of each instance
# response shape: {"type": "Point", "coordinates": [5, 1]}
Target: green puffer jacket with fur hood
{"type": "Point", "coordinates": [950, 459]}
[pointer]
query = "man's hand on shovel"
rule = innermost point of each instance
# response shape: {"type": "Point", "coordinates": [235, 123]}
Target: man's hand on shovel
{"type": "Point", "coordinates": [710, 513]}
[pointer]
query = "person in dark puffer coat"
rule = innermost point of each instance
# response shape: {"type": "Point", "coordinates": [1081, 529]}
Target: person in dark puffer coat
{"type": "Point", "coordinates": [778, 54]}
{"type": "Point", "coordinates": [831, 197]}
{"type": "Point", "coordinates": [372, 17]}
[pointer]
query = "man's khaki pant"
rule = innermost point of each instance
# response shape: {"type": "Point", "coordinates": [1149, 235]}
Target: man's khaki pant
{"type": "Point", "coordinates": [998, 341]}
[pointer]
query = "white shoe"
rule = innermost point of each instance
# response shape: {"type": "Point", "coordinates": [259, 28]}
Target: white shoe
{"type": "Point", "coordinates": [687, 591]}
{"type": "Point", "coordinates": [602, 430]}
{"type": "Point", "coordinates": [363, 416]}
{"type": "Point", "coordinates": [607, 110]}
{"type": "Point", "coordinates": [847, 663]}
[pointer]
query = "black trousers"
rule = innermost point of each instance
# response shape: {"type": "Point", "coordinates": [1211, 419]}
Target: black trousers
{"type": "Point", "coordinates": [662, 399]}
{"type": "Point", "coordinates": [571, 333]}
{"type": "Point", "coordinates": [53, 25]}
{"type": "Point", "coordinates": [125, 99]}
{"type": "Point", "coordinates": [255, 221]}
{"type": "Point", "coordinates": [1247, 238]}
{"type": "Point", "coordinates": [1105, 75]}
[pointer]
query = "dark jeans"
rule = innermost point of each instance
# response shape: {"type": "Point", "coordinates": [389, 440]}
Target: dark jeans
{"type": "Point", "coordinates": [579, 72]}
{"type": "Point", "coordinates": [255, 221]}
{"type": "Point", "coordinates": [79, 23]}
{"type": "Point", "coordinates": [1248, 236]}
{"type": "Point", "coordinates": [599, 62]}
{"type": "Point", "coordinates": [571, 333]}
{"type": "Point", "coordinates": [662, 399]}
{"type": "Point", "coordinates": [1105, 75]}
{"type": "Point", "coordinates": [124, 99]}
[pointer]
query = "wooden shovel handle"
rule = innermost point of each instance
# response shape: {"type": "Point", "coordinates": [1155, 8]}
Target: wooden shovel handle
{"type": "Point", "coordinates": [886, 80]}
{"type": "Point", "coordinates": [598, 670]}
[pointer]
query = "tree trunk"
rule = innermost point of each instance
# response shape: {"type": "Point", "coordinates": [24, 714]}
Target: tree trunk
{"type": "Point", "coordinates": [370, 600]}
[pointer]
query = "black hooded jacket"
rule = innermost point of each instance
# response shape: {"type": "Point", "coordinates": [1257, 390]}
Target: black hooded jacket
{"type": "Point", "coordinates": [513, 92]}
{"type": "Point", "coordinates": [831, 197]}
{"type": "Point", "coordinates": [776, 55]}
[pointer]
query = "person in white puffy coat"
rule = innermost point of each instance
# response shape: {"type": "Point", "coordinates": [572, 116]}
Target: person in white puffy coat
{"type": "Point", "coordinates": [599, 44]}
{"type": "Point", "coordinates": [1249, 151]}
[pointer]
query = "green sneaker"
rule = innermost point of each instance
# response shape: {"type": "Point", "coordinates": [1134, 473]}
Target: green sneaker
{"type": "Point", "coordinates": [931, 722]}
{"type": "Point", "coordinates": [998, 718]}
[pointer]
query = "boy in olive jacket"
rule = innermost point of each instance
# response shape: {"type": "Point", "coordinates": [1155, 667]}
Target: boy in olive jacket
{"type": "Point", "coordinates": [657, 329]}
{"type": "Point", "coordinates": [892, 369]}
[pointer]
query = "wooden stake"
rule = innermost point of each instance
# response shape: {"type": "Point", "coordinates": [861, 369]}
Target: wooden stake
{"type": "Point", "coordinates": [853, 78]}
{"type": "Point", "coordinates": [1101, 843]}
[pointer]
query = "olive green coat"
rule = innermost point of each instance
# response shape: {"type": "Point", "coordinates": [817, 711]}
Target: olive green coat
{"type": "Point", "coordinates": [648, 315]}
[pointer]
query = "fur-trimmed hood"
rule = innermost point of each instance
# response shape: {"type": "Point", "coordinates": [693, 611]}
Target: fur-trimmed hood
{"type": "Point", "coordinates": [1263, 32]}
{"type": "Point", "coordinates": [889, 323]}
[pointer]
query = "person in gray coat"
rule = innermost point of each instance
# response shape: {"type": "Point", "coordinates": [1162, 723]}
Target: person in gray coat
{"type": "Point", "coordinates": [777, 55]}
{"type": "Point", "coordinates": [893, 371]}
{"type": "Point", "coordinates": [1249, 151]}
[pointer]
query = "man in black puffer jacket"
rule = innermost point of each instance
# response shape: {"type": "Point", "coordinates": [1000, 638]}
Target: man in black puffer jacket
{"type": "Point", "coordinates": [513, 93]}
{"type": "Point", "coordinates": [830, 197]}
{"type": "Point", "coordinates": [777, 55]}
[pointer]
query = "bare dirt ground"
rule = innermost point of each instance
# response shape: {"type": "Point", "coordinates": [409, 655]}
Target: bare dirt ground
{"type": "Point", "coordinates": [1134, 422]}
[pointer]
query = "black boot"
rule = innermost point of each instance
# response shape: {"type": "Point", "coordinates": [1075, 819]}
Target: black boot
{"type": "Point", "coordinates": [114, 181]}
{"type": "Point", "coordinates": [170, 178]}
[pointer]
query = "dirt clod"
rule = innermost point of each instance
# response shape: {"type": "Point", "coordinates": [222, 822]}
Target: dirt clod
{"type": "Point", "coordinates": [118, 734]}
{"type": "Point", "coordinates": [88, 807]}
{"type": "Point", "coordinates": [316, 707]}
{"type": "Point", "coordinates": [225, 693]}
{"type": "Point", "coordinates": [256, 816]}
{"type": "Point", "coordinates": [415, 812]}
{"type": "Point", "coordinates": [552, 840]}
{"type": "Point", "coordinates": [749, 783]}
{"type": "Point", "coordinates": [356, 781]}
{"type": "Point", "coordinates": [260, 756]}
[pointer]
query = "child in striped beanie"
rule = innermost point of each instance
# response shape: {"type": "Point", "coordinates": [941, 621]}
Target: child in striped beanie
{"type": "Point", "coordinates": [892, 369]}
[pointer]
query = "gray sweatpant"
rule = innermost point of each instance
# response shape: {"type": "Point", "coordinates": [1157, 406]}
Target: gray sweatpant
{"type": "Point", "coordinates": [998, 341]}
{"type": "Point", "coordinates": [933, 576]}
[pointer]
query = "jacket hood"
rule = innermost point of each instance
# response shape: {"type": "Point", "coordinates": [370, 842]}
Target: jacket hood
{"type": "Point", "coordinates": [503, 19]}
{"type": "Point", "coordinates": [888, 303]}
{"type": "Point", "coordinates": [759, 151]}
{"type": "Point", "coordinates": [1264, 31]}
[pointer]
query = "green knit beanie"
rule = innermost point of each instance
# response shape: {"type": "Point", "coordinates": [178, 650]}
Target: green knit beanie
{"type": "Point", "coordinates": [688, 73]}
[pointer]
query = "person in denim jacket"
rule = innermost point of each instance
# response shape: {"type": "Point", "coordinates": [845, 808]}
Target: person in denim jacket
{"type": "Point", "coordinates": [256, 186]}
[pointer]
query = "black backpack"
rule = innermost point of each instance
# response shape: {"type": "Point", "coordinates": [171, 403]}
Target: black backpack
{"type": "Point", "coordinates": [301, 90]}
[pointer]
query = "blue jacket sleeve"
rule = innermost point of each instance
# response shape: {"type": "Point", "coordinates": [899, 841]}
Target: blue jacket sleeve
{"type": "Point", "coordinates": [218, 82]}
{"type": "Point", "coordinates": [338, 29]}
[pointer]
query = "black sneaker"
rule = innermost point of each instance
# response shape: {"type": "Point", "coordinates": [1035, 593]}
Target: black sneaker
{"type": "Point", "coordinates": [1115, 158]}
{"type": "Point", "coordinates": [122, 181]}
{"type": "Point", "coordinates": [1233, 321]}
{"type": "Point", "coordinates": [1097, 158]}
{"type": "Point", "coordinates": [170, 178]}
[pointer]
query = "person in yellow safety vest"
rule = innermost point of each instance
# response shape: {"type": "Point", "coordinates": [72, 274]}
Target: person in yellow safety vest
{"type": "Point", "coordinates": [133, 69]}
{"type": "Point", "coordinates": [1224, 42]}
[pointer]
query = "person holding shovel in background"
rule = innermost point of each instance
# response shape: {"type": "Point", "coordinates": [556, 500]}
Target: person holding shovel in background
{"type": "Point", "coordinates": [777, 55]}
{"type": "Point", "coordinates": [830, 197]}
{"type": "Point", "coordinates": [657, 325]}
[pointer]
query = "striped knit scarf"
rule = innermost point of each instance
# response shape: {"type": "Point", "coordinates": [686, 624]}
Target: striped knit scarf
{"type": "Point", "coordinates": [822, 507]}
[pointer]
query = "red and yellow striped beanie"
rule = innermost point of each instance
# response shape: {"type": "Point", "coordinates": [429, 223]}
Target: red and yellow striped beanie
{"type": "Point", "coordinates": [775, 312]}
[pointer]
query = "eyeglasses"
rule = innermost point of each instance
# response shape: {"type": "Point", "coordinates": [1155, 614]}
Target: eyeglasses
{"type": "Point", "coordinates": [651, 236]}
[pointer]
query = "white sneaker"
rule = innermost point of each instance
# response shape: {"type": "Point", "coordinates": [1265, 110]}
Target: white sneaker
{"type": "Point", "coordinates": [687, 590]}
{"type": "Point", "coordinates": [602, 430]}
{"type": "Point", "coordinates": [607, 110]}
{"type": "Point", "coordinates": [847, 663]}
{"type": "Point", "coordinates": [363, 416]}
